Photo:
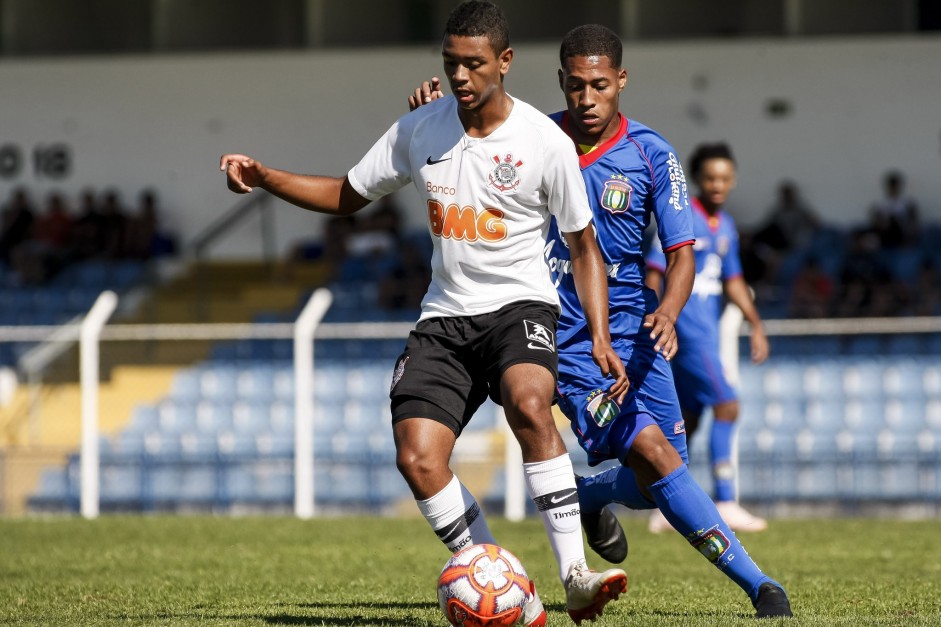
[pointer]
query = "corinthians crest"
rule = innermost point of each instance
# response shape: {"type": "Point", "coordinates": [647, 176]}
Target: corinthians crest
{"type": "Point", "coordinates": [616, 196]}
{"type": "Point", "coordinates": [505, 176]}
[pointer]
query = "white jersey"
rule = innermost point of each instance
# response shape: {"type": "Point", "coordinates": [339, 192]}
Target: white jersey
{"type": "Point", "coordinates": [488, 201]}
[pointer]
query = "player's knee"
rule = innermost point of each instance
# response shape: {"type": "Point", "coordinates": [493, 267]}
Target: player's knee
{"type": "Point", "coordinates": [415, 464]}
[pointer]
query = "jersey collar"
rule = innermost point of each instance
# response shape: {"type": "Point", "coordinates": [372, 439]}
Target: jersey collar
{"type": "Point", "coordinates": [585, 160]}
{"type": "Point", "coordinates": [711, 221]}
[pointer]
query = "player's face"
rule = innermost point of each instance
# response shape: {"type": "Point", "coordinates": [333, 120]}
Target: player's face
{"type": "Point", "coordinates": [592, 86]}
{"type": "Point", "coordinates": [475, 72]}
{"type": "Point", "coordinates": [715, 181]}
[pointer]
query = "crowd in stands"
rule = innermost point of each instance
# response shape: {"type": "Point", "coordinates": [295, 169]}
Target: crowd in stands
{"type": "Point", "coordinates": [800, 266]}
{"type": "Point", "coordinates": [888, 265]}
{"type": "Point", "coordinates": [35, 245]}
{"type": "Point", "coordinates": [372, 247]}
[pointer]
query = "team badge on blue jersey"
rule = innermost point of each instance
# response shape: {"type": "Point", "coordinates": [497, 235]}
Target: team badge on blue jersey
{"type": "Point", "coordinates": [616, 196]}
{"type": "Point", "coordinates": [602, 410]}
{"type": "Point", "coordinates": [505, 176]}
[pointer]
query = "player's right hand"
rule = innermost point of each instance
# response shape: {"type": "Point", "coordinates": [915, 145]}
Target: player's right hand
{"type": "Point", "coordinates": [242, 173]}
{"type": "Point", "coordinates": [428, 91]}
{"type": "Point", "coordinates": [663, 333]}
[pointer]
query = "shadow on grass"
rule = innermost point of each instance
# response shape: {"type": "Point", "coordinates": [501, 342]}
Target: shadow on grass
{"type": "Point", "coordinates": [358, 614]}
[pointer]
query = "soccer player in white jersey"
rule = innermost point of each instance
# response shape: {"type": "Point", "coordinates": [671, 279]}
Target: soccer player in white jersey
{"type": "Point", "coordinates": [492, 172]}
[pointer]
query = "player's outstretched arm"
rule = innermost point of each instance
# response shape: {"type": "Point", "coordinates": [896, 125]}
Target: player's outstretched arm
{"type": "Point", "coordinates": [677, 283]}
{"type": "Point", "coordinates": [591, 283]}
{"type": "Point", "coordinates": [425, 93]}
{"type": "Point", "coordinates": [738, 293]}
{"type": "Point", "coordinates": [324, 194]}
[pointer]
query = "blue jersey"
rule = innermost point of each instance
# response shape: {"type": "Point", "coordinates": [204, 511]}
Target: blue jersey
{"type": "Point", "coordinates": [717, 261]}
{"type": "Point", "coordinates": [630, 177]}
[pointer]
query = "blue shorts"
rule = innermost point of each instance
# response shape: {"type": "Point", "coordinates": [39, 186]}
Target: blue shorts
{"type": "Point", "coordinates": [700, 379]}
{"type": "Point", "coordinates": [603, 429]}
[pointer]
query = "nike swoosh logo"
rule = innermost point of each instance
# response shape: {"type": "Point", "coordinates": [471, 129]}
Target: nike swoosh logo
{"type": "Point", "coordinates": [539, 347]}
{"type": "Point", "coordinates": [431, 161]}
{"type": "Point", "coordinates": [559, 499]}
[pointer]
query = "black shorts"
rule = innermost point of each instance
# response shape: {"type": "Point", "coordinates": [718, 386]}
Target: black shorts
{"type": "Point", "coordinates": [452, 364]}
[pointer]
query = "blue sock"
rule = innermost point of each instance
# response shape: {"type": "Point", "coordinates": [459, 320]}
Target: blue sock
{"type": "Point", "coordinates": [721, 438]}
{"type": "Point", "coordinates": [691, 512]}
{"type": "Point", "coordinates": [615, 485]}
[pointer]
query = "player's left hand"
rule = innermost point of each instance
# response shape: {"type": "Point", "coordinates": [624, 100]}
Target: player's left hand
{"type": "Point", "coordinates": [612, 366]}
{"type": "Point", "coordinates": [428, 91]}
{"type": "Point", "coordinates": [760, 347]}
{"type": "Point", "coordinates": [663, 333]}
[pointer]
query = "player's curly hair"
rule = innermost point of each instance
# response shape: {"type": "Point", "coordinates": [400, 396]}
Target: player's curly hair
{"type": "Point", "coordinates": [705, 152]}
{"type": "Point", "coordinates": [476, 18]}
{"type": "Point", "coordinates": [591, 40]}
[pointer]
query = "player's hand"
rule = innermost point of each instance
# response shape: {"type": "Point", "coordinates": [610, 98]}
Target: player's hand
{"type": "Point", "coordinates": [663, 333]}
{"type": "Point", "coordinates": [242, 173]}
{"type": "Point", "coordinates": [611, 366]}
{"type": "Point", "coordinates": [429, 90]}
{"type": "Point", "coordinates": [760, 347]}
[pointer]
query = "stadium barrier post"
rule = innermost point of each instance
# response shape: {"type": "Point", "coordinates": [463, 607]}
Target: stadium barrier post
{"type": "Point", "coordinates": [514, 504]}
{"type": "Point", "coordinates": [730, 328]}
{"type": "Point", "coordinates": [89, 336]}
{"type": "Point", "coordinates": [304, 329]}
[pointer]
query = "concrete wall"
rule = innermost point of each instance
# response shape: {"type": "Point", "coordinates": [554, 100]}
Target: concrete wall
{"type": "Point", "coordinates": [853, 109]}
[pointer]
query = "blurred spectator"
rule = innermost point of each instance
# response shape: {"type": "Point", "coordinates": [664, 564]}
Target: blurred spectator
{"type": "Point", "coordinates": [790, 224]}
{"type": "Point", "coordinates": [113, 224]}
{"type": "Point", "coordinates": [140, 229]}
{"type": "Point", "coordinates": [54, 226]}
{"type": "Point", "coordinates": [41, 256]}
{"type": "Point", "coordinates": [927, 289]}
{"type": "Point", "coordinates": [812, 292]}
{"type": "Point", "coordinates": [405, 285]}
{"type": "Point", "coordinates": [16, 224]}
{"type": "Point", "coordinates": [88, 228]}
{"type": "Point", "coordinates": [895, 218]}
{"type": "Point", "coordinates": [865, 281]}
{"type": "Point", "coordinates": [378, 232]}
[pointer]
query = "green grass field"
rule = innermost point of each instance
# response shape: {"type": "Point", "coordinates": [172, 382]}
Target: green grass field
{"type": "Point", "coordinates": [374, 571]}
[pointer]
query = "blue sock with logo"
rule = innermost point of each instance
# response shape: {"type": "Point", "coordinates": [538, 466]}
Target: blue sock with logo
{"type": "Point", "coordinates": [721, 438]}
{"type": "Point", "coordinates": [615, 485]}
{"type": "Point", "coordinates": [691, 512]}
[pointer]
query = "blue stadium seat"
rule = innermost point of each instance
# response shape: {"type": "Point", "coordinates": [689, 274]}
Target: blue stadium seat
{"type": "Point", "coordinates": [185, 385]}
{"type": "Point", "coordinates": [218, 382]}
{"type": "Point", "coordinates": [120, 485]}
{"type": "Point", "coordinates": [213, 416]}
{"type": "Point", "coordinates": [176, 417]}
{"type": "Point", "coordinates": [250, 418]}
{"type": "Point", "coordinates": [198, 485]}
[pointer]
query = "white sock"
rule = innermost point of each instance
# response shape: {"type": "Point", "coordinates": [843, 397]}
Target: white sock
{"type": "Point", "coordinates": [456, 517]}
{"type": "Point", "coordinates": [552, 487]}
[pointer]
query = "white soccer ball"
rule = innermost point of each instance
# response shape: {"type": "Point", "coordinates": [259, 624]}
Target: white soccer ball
{"type": "Point", "coordinates": [483, 585]}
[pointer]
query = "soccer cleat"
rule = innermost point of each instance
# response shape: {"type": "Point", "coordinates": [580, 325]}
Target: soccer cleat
{"type": "Point", "coordinates": [605, 535]}
{"type": "Point", "coordinates": [771, 602]}
{"type": "Point", "coordinates": [534, 614]}
{"type": "Point", "coordinates": [587, 592]}
{"type": "Point", "coordinates": [740, 519]}
{"type": "Point", "coordinates": [658, 522]}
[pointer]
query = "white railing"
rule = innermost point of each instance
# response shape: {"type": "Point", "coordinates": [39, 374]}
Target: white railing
{"type": "Point", "coordinates": [94, 330]}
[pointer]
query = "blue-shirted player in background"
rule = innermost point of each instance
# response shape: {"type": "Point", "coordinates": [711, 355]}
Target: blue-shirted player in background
{"type": "Point", "coordinates": [631, 173]}
{"type": "Point", "coordinates": [700, 379]}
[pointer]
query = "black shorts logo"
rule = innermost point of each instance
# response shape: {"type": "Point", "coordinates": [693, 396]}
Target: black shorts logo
{"type": "Point", "coordinates": [539, 336]}
{"type": "Point", "coordinates": [399, 371]}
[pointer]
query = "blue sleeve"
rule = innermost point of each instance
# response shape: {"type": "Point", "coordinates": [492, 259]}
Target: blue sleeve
{"type": "Point", "coordinates": [670, 197]}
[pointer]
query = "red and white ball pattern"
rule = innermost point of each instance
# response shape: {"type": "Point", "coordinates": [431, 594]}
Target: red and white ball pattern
{"type": "Point", "coordinates": [483, 585]}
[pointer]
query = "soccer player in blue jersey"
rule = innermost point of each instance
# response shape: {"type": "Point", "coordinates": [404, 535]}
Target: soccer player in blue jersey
{"type": "Point", "coordinates": [701, 381]}
{"type": "Point", "coordinates": [632, 173]}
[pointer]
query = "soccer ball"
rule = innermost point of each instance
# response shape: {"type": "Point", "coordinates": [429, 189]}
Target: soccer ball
{"type": "Point", "coordinates": [483, 585]}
